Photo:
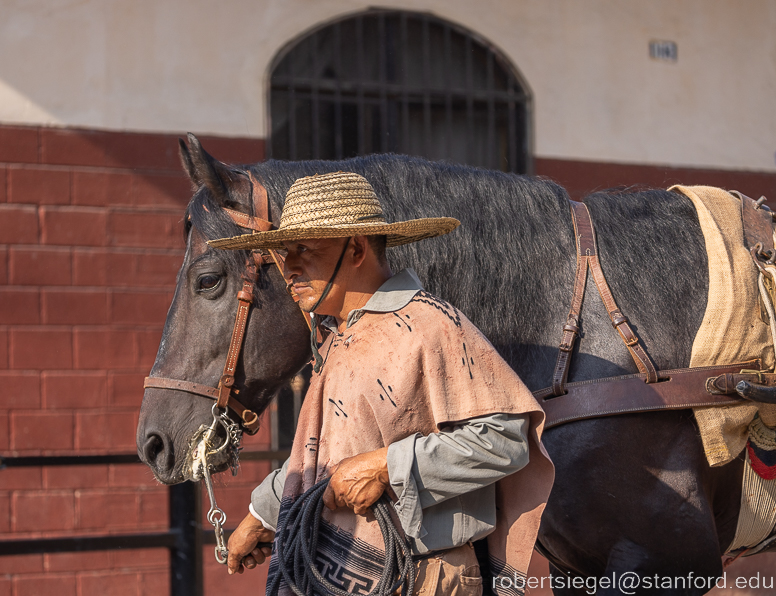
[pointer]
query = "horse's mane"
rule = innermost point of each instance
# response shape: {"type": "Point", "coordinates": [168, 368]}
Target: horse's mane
{"type": "Point", "coordinates": [478, 267]}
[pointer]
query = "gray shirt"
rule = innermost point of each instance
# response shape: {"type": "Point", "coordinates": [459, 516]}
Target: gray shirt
{"type": "Point", "coordinates": [444, 481]}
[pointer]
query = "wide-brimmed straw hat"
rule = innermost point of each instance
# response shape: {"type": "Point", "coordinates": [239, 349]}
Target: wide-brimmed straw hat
{"type": "Point", "coordinates": [337, 205]}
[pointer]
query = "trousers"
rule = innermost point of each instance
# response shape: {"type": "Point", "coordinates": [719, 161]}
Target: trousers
{"type": "Point", "coordinates": [454, 572]}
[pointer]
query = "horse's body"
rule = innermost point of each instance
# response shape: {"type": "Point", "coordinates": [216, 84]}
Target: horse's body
{"type": "Point", "coordinates": [632, 492]}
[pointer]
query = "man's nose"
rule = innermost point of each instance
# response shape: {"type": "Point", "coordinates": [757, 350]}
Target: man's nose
{"type": "Point", "coordinates": [291, 268]}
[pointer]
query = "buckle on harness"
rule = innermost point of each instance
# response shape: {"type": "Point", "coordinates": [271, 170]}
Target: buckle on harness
{"type": "Point", "coordinates": [749, 371]}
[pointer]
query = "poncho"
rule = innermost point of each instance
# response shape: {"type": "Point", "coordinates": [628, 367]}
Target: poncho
{"type": "Point", "coordinates": [395, 374]}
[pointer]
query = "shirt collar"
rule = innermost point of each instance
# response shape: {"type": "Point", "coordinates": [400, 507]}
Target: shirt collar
{"type": "Point", "coordinates": [393, 295]}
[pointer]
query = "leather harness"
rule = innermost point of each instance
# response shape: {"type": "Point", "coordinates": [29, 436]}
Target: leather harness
{"type": "Point", "coordinates": [225, 394]}
{"type": "Point", "coordinates": [651, 389]}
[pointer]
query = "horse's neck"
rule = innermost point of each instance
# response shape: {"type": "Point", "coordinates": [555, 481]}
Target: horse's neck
{"type": "Point", "coordinates": [513, 281]}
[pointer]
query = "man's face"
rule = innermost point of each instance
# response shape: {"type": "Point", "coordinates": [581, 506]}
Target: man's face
{"type": "Point", "coordinates": [309, 267]}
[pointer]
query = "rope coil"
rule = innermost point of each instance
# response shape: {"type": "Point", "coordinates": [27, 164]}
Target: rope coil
{"type": "Point", "coordinates": [296, 545]}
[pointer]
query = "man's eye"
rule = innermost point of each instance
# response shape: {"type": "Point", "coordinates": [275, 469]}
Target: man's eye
{"type": "Point", "coordinates": [208, 282]}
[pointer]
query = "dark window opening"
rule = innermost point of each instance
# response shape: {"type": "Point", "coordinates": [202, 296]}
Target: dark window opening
{"type": "Point", "coordinates": [387, 81]}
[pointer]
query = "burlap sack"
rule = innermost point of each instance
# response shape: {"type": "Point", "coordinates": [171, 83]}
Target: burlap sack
{"type": "Point", "coordinates": [732, 330]}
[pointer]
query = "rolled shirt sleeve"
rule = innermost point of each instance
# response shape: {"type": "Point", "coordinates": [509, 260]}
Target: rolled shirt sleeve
{"type": "Point", "coordinates": [427, 472]}
{"type": "Point", "coordinates": [265, 498]}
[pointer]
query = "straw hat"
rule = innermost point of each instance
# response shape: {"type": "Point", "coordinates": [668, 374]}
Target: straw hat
{"type": "Point", "coordinates": [337, 205]}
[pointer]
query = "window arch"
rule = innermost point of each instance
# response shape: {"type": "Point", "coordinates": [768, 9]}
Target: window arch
{"type": "Point", "coordinates": [401, 82]}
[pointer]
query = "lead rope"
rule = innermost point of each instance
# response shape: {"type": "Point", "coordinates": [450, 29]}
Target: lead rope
{"type": "Point", "coordinates": [296, 540]}
{"type": "Point", "coordinates": [296, 546]}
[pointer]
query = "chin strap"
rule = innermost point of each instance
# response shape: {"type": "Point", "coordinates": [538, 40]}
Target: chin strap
{"type": "Point", "coordinates": [314, 327]}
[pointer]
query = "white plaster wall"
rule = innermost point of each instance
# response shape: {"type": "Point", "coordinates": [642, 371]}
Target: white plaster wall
{"type": "Point", "coordinates": [202, 65]}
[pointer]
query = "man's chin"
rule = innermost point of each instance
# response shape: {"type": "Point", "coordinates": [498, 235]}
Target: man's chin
{"type": "Point", "coordinates": [306, 304]}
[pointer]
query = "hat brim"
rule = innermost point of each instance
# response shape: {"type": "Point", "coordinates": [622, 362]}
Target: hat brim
{"type": "Point", "coordinates": [398, 233]}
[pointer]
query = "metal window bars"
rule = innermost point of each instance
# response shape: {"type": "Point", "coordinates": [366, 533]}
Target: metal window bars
{"type": "Point", "coordinates": [392, 81]}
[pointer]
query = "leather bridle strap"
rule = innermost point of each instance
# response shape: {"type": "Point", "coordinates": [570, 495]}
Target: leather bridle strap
{"type": "Point", "coordinates": [587, 256]}
{"type": "Point", "coordinates": [244, 303]}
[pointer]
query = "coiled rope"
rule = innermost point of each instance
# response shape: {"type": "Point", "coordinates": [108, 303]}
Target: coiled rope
{"type": "Point", "coordinates": [296, 544]}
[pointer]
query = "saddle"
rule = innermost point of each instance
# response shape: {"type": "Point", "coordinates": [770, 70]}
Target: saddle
{"type": "Point", "coordinates": [651, 389]}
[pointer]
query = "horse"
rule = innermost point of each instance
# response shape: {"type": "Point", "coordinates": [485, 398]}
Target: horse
{"type": "Point", "coordinates": [633, 492]}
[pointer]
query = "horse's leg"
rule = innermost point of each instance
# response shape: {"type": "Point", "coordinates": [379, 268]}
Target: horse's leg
{"type": "Point", "coordinates": [636, 498]}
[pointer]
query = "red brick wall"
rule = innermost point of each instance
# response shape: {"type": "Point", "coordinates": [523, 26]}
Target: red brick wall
{"type": "Point", "coordinates": [580, 178]}
{"type": "Point", "coordinates": [90, 243]}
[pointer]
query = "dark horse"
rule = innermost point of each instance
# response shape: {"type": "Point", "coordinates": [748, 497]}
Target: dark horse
{"type": "Point", "coordinates": [633, 493]}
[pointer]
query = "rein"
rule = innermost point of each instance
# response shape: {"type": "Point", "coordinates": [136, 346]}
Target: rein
{"type": "Point", "coordinates": [296, 547]}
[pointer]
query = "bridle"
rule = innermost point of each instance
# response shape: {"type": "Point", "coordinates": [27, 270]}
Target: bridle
{"type": "Point", "coordinates": [225, 393]}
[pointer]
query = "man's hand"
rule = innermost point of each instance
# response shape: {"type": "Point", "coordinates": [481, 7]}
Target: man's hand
{"type": "Point", "coordinates": [357, 482]}
{"type": "Point", "coordinates": [243, 552]}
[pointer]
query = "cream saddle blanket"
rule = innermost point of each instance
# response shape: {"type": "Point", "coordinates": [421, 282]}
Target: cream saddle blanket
{"type": "Point", "coordinates": [732, 330]}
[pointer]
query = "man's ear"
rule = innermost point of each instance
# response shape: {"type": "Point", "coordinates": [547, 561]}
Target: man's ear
{"type": "Point", "coordinates": [360, 249]}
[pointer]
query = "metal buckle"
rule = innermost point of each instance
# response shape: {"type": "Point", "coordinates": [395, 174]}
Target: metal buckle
{"type": "Point", "coordinates": [749, 371]}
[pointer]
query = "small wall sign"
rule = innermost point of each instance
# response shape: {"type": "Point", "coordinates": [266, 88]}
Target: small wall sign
{"type": "Point", "coordinates": [663, 50]}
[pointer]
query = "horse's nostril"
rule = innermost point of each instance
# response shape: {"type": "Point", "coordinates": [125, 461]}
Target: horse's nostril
{"type": "Point", "coordinates": [152, 448]}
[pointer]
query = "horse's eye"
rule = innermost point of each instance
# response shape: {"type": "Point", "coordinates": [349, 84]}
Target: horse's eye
{"type": "Point", "coordinates": [208, 282]}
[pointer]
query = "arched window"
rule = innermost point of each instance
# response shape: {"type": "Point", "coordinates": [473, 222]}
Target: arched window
{"type": "Point", "coordinates": [401, 82]}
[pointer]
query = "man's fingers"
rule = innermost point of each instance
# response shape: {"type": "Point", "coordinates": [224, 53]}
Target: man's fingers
{"type": "Point", "coordinates": [260, 554]}
{"type": "Point", "coordinates": [250, 562]}
{"type": "Point", "coordinates": [233, 563]}
{"type": "Point", "coordinates": [328, 498]}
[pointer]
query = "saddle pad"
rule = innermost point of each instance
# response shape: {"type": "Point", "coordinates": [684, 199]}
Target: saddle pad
{"type": "Point", "coordinates": [732, 330]}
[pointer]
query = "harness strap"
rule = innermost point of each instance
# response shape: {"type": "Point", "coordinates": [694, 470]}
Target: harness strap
{"type": "Point", "coordinates": [587, 257]}
{"type": "Point", "coordinates": [678, 389]}
{"type": "Point", "coordinates": [757, 222]}
{"type": "Point", "coordinates": [571, 328]}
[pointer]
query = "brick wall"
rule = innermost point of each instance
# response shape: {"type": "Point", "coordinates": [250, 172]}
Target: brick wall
{"type": "Point", "coordinates": [580, 178]}
{"type": "Point", "coordinates": [90, 243]}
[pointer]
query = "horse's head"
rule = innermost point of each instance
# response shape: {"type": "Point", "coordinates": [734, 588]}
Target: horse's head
{"type": "Point", "coordinates": [200, 323]}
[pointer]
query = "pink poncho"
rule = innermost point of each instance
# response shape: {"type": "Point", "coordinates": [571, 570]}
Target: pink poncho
{"type": "Point", "coordinates": [394, 374]}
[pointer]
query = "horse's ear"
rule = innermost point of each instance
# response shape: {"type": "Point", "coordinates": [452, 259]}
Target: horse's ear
{"type": "Point", "coordinates": [226, 186]}
{"type": "Point", "coordinates": [188, 165]}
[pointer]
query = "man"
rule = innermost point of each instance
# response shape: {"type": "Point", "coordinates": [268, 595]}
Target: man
{"type": "Point", "coordinates": [408, 397]}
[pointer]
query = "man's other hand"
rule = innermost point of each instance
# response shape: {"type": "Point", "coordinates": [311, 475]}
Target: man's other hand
{"type": "Point", "coordinates": [357, 482]}
{"type": "Point", "coordinates": [243, 550]}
